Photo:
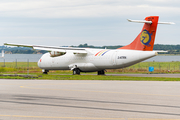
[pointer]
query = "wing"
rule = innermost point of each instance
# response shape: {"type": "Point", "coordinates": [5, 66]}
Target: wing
{"type": "Point", "coordinates": [51, 48]}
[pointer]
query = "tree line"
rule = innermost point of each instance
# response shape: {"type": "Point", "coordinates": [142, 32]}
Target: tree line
{"type": "Point", "coordinates": [172, 49]}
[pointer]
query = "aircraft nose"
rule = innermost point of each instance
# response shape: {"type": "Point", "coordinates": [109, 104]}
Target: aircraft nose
{"type": "Point", "coordinates": [39, 62]}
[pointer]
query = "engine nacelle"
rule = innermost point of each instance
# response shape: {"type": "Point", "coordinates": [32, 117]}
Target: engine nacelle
{"type": "Point", "coordinates": [56, 53]}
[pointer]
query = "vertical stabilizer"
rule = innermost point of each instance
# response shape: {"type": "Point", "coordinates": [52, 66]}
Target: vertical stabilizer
{"type": "Point", "coordinates": [145, 40]}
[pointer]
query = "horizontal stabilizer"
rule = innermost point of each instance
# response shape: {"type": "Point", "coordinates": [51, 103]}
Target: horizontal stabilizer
{"type": "Point", "coordinates": [150, 22]}
{"type": "Point", "coordinates": [169, 23]}
{"type": "Point", "coordinates": [140, 21]}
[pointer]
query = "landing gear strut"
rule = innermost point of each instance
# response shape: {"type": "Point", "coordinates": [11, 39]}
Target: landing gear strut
{"type": "Point", "coordinates": [76, 71]}
{"type": "Point", "coordinates": [101, 72]}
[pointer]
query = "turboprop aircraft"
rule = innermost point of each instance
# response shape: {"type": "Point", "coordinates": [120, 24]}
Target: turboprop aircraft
{"type": "Point", "coordinates": [91, 60]}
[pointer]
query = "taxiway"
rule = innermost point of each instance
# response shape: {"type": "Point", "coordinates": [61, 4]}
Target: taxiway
{"type": "Point", "coordinates": [89, 100]}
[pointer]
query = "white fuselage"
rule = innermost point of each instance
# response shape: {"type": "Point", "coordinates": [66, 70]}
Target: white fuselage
{"type": "Point", "coordinates": [94, 60]}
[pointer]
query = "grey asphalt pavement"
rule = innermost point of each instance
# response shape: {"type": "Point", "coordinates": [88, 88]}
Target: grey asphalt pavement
{"type": "Point", "coordinates": [89, 100]}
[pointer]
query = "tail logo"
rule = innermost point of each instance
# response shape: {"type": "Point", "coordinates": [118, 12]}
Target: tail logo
{"type": "Point", "coordinates": [145, 38]}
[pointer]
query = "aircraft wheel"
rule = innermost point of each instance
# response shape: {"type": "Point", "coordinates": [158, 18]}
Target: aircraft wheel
{"type": "Point", "coordinates": [45, 71]}
{"type": "Point", "coordinates": [101, 72]}
{"type": "Point", "coordinates": [76, 71]}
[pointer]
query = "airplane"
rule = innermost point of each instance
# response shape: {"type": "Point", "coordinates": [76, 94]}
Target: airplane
{"type": "Point", "coordinates": [98, 60]}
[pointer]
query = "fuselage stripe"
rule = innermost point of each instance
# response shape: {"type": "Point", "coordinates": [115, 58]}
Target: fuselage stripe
{"type": "Point", "coordinates": [105, 52]}
{"type": "Point", "coordinates": [98, 52]}
{"type": "Point", "coordinates": [102, 52]}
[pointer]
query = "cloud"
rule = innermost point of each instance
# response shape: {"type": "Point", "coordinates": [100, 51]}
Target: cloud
{"type": "Point", "coordinates": [74, 22]}
{"type": "Point", "coordinates": [85, 8]}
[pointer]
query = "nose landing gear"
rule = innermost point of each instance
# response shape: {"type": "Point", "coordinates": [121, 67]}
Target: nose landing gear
{"type": "Point", "coordinates": [45, 71]}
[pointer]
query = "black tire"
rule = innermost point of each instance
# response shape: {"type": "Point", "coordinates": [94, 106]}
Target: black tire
{"type": "Point", "coordinates": [76, 71]}
{"type": "Point", "coordinates": [101, 72]}
{"type": "Point", "coordinates": [45, 71]}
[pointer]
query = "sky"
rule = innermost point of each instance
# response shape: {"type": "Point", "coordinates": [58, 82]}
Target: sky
{"type": "Point", "coordinates": [95, 22]}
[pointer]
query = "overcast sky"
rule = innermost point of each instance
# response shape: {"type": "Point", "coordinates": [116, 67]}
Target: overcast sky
{"type": "Point", "coordinates": [95, 22]}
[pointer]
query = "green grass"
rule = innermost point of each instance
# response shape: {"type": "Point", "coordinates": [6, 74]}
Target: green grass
{"type": "Point", "coordinates": [19, 64]}
{"type": "Point", "coordinates": [32, 68]}
{"type": "Point", "coordinates": [8, 77]}
{"type": "Point", "coordinates": [158, 65]}
{"type": "Point", "coordinates": [94, 77]}
{"type": "Point", "coordinates": [173, 66]}
{"type": "Point", "coordinates": [99, 77]}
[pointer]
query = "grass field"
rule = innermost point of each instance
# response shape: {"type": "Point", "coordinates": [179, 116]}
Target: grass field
{"type": "Point", "coordinates": [31, 68]}
{"type": "Point", "coordinates": [90, 77]}
{"type": "Point", "coordinates": [159, 67]}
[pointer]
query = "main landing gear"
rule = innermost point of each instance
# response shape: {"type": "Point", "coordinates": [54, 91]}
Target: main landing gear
{"type": "Point", "coordinates": [101, 72]}
{"type": "Point", "coordinates": [76, 71]}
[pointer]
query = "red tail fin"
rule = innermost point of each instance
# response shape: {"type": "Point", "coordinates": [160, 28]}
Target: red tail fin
{"type": "Point", "coordinates": [145, 40]}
